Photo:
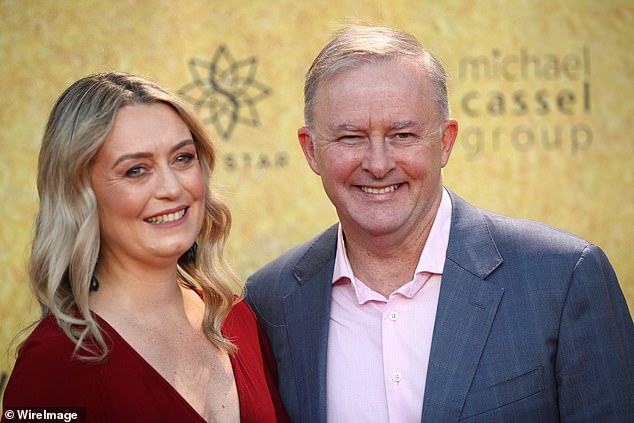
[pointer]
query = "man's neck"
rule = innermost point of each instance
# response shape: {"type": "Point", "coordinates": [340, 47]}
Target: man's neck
{"type": "Point", "coordinates": [385, 263]}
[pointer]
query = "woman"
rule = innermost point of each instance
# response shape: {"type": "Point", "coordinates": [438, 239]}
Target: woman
{"type": "Point", "coordinates": [139, 322]}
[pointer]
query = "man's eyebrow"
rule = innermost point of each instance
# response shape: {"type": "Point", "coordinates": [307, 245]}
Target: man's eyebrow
{"type": "Point", "coordinates": [405, 124]}
{"type": "Point", "coordinates": [346, 127]}
{"type": "Point", "coordinates": [395, 125]}
{"type": "Point", "coordinates": [143, 155]}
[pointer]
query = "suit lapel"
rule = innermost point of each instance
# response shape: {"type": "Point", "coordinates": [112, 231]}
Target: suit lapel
{"type": "Point", "coordinates": [307, 313]}
{"type": "Point", "coordinates": [466, 309]}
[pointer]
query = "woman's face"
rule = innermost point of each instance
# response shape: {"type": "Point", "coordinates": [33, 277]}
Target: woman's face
{"type": "Point", "coordinates": [149, 187]}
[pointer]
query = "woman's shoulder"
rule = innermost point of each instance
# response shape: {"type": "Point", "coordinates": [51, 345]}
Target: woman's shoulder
{"type": "Point", "coordinates": [240, 321]}
{"type": "Point", "coordinates": [47, 341]}
{"type": "Point", "coordinates": [254, 367]}
{"type": "Point", "coordinates": [46, 370]}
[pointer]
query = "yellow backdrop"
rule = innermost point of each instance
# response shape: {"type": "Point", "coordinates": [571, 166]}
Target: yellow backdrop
{"type": "Point", "coordinates": [542, 90]}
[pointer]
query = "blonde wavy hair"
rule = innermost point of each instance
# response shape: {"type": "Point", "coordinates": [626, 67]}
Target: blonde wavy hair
{"type": "Point", "coordinates": [67, 239]}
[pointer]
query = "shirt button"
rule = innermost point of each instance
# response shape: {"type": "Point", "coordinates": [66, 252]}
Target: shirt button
{"type": "Point", "coordinates": [396, 376]}
{"type": "Point", "coordinates": [393, 316]}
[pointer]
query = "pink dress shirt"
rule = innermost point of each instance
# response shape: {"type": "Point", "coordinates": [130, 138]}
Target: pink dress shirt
{"type": "Point", "coordinates": [378, 348]}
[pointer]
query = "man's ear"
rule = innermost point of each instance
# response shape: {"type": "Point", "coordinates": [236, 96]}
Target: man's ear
{"type": "Point", "coordinates": [449, 134]}
{"type": "Point", "coordinates": [308, 147]}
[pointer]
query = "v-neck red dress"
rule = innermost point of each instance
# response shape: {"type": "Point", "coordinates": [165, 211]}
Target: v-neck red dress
{"type": "Point", "coordinates": [125, 388]}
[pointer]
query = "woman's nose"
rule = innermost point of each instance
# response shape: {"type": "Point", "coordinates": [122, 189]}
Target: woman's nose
{"type": "Point", "coordinates": [168, 183]}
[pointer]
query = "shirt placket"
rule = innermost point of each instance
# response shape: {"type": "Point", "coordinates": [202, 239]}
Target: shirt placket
{"type": "Point", "coordinates": [393, 371]}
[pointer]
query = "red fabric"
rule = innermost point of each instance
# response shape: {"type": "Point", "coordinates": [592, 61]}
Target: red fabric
{"type": "Point", "coordinates": [125, 388]}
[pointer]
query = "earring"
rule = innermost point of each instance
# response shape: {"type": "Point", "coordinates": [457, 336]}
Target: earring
{"type": "Point", "coordinates": [189, 256]}
{"type": "Point", "coordinates": [94, 284]}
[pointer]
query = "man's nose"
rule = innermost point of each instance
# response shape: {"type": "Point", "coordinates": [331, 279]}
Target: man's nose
{"type": "Point", "coordinates": [378, 158]}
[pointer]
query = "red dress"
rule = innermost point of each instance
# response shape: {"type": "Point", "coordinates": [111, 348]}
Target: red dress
{"type": "Point", "coordinates": [125, 388]}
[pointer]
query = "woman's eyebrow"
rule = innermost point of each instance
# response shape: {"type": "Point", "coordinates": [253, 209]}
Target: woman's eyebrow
{"type": "Point", "coordinates": [143, 155]}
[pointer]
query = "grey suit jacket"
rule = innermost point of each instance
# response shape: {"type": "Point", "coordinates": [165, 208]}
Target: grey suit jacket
{"type": "Point", "coordinates": [531, 326]}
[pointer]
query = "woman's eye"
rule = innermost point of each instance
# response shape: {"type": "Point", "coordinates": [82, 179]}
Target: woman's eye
{"type": "Point", "coordinates": [135, 172]}
{"type": "Point", "coordinates": [185, 158]}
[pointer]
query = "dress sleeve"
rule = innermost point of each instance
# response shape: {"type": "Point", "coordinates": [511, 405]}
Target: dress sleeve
{"type": "Point", "coordinates": [44, 374]}
{"type": "Point", "coordinates": [253, 368]}
{"type": "Point", "coordinates": [270, 370]}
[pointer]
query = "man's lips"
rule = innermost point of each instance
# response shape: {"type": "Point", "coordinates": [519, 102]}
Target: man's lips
{"type": "Point", "coordinates": [383, 190]}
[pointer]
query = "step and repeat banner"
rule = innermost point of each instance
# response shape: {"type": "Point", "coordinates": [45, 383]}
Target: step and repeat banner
{"type": "Point", "coordinates": [542, 91]}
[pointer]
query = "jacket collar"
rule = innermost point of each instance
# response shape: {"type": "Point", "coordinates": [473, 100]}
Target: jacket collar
{"type": "Point", "coordinates": [471, 245]}
{"type": "Point", "coordinates": [466, 310]}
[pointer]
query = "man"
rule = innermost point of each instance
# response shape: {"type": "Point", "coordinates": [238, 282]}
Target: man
{"type": "Point", "coordinates": [418, 306]}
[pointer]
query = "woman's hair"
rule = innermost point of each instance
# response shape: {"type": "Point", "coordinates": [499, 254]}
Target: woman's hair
{"type": "Point", "coordinates": [67, 239]}
{"type": "Point", "coordinates": [354, 46]}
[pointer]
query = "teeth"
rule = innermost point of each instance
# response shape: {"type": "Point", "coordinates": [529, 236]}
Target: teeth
{"type": "Point", "coordinates": [385, 190]}
{"type": "Point", "coordinates": [166, 217]}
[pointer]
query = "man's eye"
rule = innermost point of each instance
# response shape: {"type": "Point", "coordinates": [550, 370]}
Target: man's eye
{"type": "Point", "coordinates": [400, 136]}
{"type": "Point", "coordinates": [403, 138]}
{"type": "Point", "coordinates": [351, 139]}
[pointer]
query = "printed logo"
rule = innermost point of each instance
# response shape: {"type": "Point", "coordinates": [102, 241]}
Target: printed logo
{"type": "Point", "coordinates": [224, 91]}
{"type": "Point", "coordinates": [526, 100]}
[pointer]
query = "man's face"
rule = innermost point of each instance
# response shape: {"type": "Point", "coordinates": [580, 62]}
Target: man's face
{"type": "Point", "coordinates": [379, 146]}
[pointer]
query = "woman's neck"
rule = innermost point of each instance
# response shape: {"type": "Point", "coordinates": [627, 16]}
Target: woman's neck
{"type": "Point", "coordinates": [139, 292]}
